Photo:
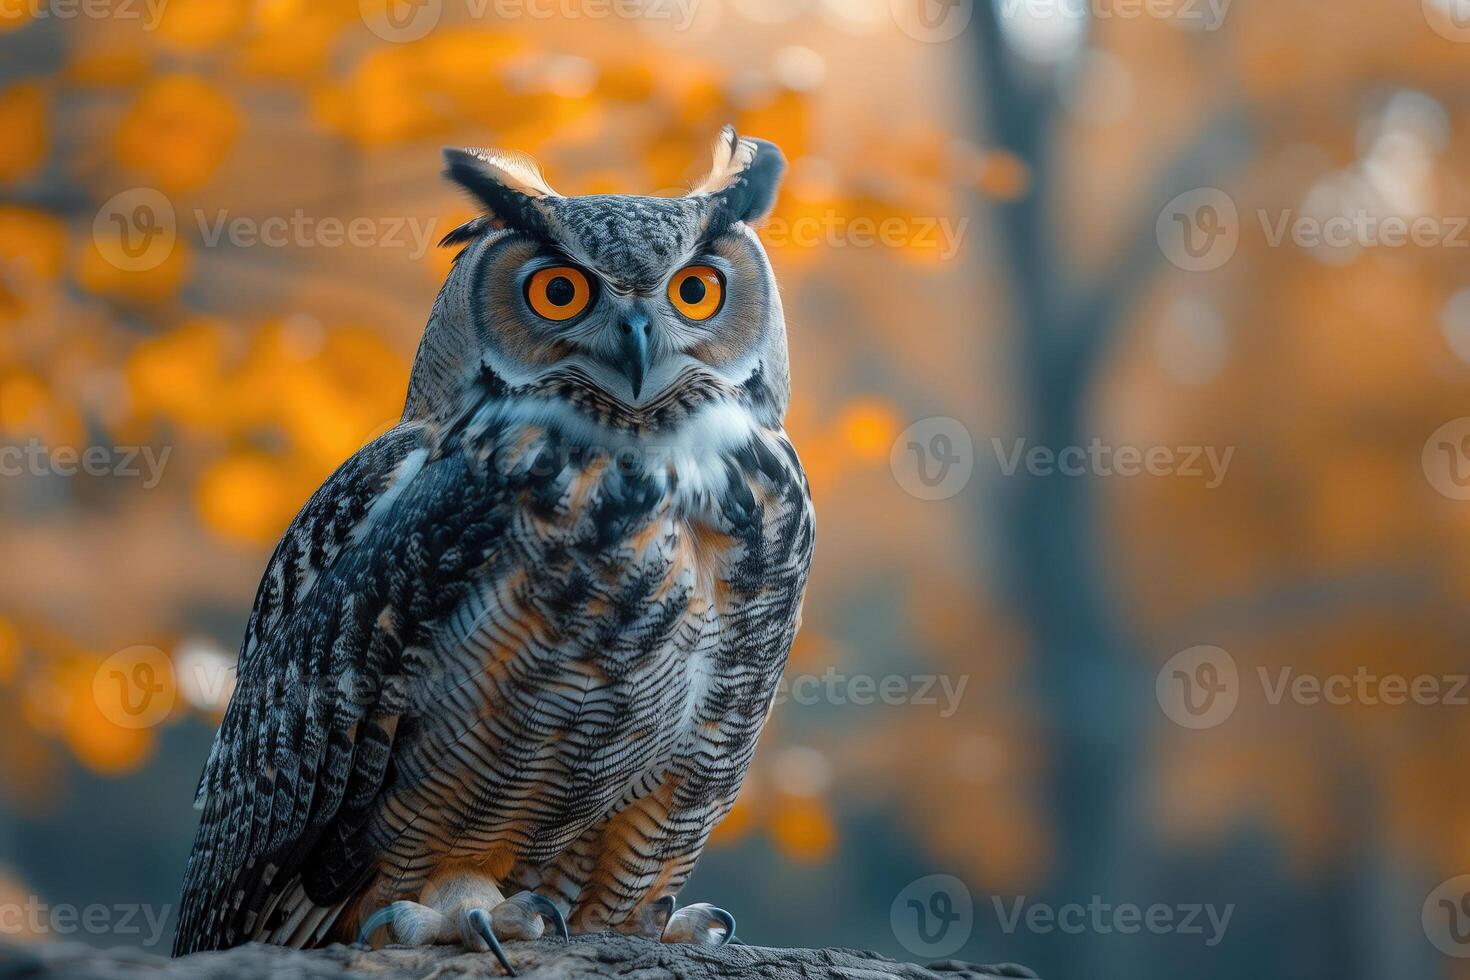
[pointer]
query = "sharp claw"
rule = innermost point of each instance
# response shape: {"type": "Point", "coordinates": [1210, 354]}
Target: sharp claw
{"type": "Point", "coordinates": [374, 922]}
{"type": "Point", "coordinates": [548, 908]}
{"type": "Point", "coordinates": [728, 921]}
{"type": "Point", "coordinates": [480, 920]}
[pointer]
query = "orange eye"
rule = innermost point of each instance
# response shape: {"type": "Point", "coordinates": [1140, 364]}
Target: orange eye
{"type": "Point", "coordinates": [558, 293]}
{"type": "Point", "coordinates": [697, 291]}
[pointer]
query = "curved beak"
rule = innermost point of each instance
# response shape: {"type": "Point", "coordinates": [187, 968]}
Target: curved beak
{"type": "Point", "coordinates": [633, 356]}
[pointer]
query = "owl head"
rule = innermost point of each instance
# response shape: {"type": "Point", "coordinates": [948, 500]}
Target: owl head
{"type": "Point", "coordinates": [634, 307]}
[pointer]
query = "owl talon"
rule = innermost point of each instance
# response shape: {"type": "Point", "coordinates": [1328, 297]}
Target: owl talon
{"type": "Point", "coordinates": [477, 923]}
{"type": "Point", "coordinates": [374, 922]}
{"type": "Point", "coordinates": [698, 923]}
{"type": "Point", "coordinates": [519, 917]}
{"type": "Point", "coordinates": [408, 923]}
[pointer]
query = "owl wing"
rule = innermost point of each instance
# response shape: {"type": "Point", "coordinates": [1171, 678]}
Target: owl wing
{"type": "Point", "coordinates": [386, 545]}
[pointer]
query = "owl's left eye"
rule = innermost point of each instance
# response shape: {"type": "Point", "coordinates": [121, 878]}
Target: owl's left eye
{"type": "Point", "coordinates": [558, 293]}
{"type": "Point", "coordinates": [697, 291]}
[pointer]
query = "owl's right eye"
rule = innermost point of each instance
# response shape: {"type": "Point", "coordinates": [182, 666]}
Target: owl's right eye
{"type": "Point", "coordinates": [558, 293]}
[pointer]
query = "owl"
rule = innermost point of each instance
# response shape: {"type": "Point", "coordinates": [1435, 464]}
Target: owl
{"type": "Point", "coordinates": [507, 667]}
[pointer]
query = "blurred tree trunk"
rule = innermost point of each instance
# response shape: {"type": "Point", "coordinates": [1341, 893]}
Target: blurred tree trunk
{"type": "Point", "coordinates": [1092, 685]}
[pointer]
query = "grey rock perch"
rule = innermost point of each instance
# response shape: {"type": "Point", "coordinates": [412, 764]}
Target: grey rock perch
{"type": "Point", "coordinates": [583, 959]}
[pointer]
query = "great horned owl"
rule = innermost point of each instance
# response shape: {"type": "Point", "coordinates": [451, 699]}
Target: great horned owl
{"type": "Point", "coordinates": [523, 643]}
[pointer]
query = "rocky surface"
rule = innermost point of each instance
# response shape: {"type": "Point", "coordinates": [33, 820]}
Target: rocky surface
{"type": "Point", "coordinates": [582, 959]}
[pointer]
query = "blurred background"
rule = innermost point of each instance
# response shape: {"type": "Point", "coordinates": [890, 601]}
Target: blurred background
{"type": "Point", "coordinates": [1131, 343]}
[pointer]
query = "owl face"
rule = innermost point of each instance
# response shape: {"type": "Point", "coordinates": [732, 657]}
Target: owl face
{"type": "Point", "coordinates": [633, 298]}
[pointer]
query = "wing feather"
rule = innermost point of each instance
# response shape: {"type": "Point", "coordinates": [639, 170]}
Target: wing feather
{"type": "Point", "coordinates": [291, 747]}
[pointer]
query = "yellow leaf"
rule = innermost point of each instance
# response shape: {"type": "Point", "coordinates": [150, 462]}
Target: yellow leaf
{"type": "Point", "coordinates": [868, 428]}
{"type": "Point", "coordinates": [23, 130]}
{"type": "Point", "coordinates": [111, 66]}
{"type": "Point", "coordinates": [9, 651]}
{"type": "Point", "coordinates": [246, 497]}
{"type": "Point", "coordinates": [15, 14]}
{"type": "Point", "coordinates": [33, 240]}
{"type": "Point", "coordinates": [98, 743]}
{"type": "Point", "coordinates": [32, 250]}
{"type": "Point", "coordinates": [804, 830]}
{"type": "Point", "coordinates": [23, 400]}
{"type": "Point", "coordinates": [195, 25]}
{"type": "Point", "coordinates": [151, 285]}
{"type": "Point", "coordinates": [178, 132]}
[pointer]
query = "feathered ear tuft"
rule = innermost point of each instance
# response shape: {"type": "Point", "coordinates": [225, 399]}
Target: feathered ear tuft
{"type": "Point", "coordinates": [744, 179]}
{"type": "Point", "coordinates": [507, 184]}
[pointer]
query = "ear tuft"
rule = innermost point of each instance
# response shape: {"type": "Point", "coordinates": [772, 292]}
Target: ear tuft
{"type": "Point", "coordinates": [744, 179]}
{"type": "Point", "coordinates": [507, 184]}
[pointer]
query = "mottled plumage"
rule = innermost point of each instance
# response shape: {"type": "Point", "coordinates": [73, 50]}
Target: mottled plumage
{"type": "Point", "coordinates": [527, 639]}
